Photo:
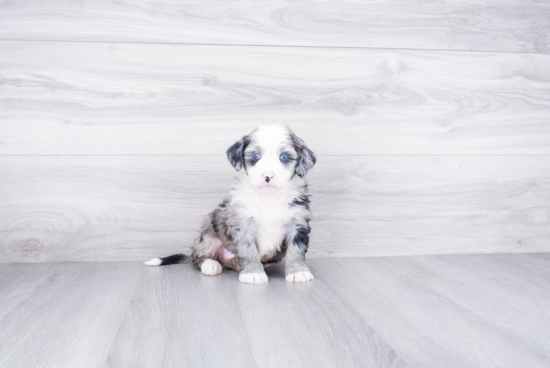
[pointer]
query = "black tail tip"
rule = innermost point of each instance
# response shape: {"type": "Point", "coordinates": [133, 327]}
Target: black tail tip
{"type": "Point", "coordinates": [173, 259]}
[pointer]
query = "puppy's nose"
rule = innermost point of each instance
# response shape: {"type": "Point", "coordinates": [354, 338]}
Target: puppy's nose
{"type": "Point", "coordinates": [268, 176]}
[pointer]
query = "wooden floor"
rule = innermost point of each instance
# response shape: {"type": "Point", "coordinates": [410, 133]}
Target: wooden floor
{"type": "Point", "coordinates": [422, 311]}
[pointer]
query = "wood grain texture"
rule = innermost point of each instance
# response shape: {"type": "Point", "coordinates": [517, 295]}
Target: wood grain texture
{"type": "Point", "coordinates": [486, 25]}
{"type": "Point", "coordinates": [462, 316]}
{"type": "Point", "coordinates": [180, 318]}
{"type": "Point", "coordinates": [108, 99]}
{"type": "Point", "coordinates": [19, 281]}
{"type": "Point", "coordinates": [307, 318]}
{"type": "Point", "coordinates": [471, 283]}
{"type": "Point", "coordinates": [424, 311]}
{"type": "Point", "coordinates": [70, 318]}
{"type": "Point", "coordinates": [395, 205]}
{"type": "Point", "coordinates": [94, 208]}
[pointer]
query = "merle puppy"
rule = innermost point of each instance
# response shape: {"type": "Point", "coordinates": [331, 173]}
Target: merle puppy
{"type": "Point", "coordinates": [266, 216]}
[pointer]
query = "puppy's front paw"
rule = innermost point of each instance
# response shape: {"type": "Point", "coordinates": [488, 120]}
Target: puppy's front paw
{"type": "Point", "coordinates": [209, 267]}
{"type": "Point", "coordinates": [253, 278]}
{"type": "Point", "coordinates": [303, 276]}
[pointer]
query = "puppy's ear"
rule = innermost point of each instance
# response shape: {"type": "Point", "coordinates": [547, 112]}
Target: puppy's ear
{"type": "Point", "coordinates": [235, 153]}
{"type": "Point", "coordinates": [306, 157]}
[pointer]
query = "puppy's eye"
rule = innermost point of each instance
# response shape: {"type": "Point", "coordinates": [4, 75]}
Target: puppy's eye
{"type": "Point", "coordinates": [256, 156]}
{"type": "Point", "coordinates": [284, 157]}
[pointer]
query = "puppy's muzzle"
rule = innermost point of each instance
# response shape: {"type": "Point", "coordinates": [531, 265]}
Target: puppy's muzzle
{"type": "Point", "coordinates": [268, 176]}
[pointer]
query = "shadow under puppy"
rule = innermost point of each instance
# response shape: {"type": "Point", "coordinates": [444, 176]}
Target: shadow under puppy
{"type": "Point", "coordinates": [266, 216]}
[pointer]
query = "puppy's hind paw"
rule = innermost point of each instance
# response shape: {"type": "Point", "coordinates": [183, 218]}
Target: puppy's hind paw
{"type": "Point", "coordinates": [303, 276]}
{"type": "Point", "coordinates": [209, 267]}
{"type": "Point", "coordinates": [253, 278]}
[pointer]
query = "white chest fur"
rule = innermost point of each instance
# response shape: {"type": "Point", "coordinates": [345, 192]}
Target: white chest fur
{"type": "Point", "coordinates": [271, 214]}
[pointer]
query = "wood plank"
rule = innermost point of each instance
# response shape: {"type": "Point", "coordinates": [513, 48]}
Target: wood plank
{"type": "Point", "coordinates": [401, 300]}
{"type": "Point", "coordinates": [63, 208]}
{"type": "Point", "coordinates": [395, 205]}
{"type": "Point", "coordinates": [146, 99]}
{"type": "Point", "coordinates": [450, 25]}
{"type": "Point", "coordinates": [534, 266]}
{"type": "Point", "coordinates": [308, 325]}
{"type": "Point", "coordinates": [93, 208]}
{"type": "Point", "coordinates": [470, 282]}
{"type": "Point", "coordinates": [71, 318]}
{"type": "Point", "coordinates": [19, 280]}
{"type": "Point", "coordinates": [178, 317]}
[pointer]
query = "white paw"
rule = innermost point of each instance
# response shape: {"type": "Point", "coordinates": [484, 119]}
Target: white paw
{"type": "Point", "coordinates": [299, 277]}
{"type": "Point", "coordinates": [210, 267]}
{"type": "Point", "coordinates": [253, 278]}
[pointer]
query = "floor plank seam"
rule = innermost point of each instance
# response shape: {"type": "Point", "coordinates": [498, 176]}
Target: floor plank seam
{"type": "Point", "coordinates": [280, 46]}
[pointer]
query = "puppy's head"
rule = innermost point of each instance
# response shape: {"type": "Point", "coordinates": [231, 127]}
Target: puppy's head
{"type": "Point", "coordinates": [271, 155]}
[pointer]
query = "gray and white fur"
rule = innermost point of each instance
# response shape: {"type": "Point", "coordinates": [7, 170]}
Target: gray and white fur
{"type": "Point", "coordinates": [266, 216]}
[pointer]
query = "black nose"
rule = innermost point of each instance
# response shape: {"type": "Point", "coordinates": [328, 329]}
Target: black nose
{"type": "Point", "coordinates": [267, 179]}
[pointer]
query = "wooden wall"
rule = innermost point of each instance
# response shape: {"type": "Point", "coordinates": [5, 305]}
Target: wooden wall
{"type": "Point", "coordinates": [431, 121]}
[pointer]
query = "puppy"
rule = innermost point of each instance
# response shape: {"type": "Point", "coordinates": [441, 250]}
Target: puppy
{"type": "Point", "coordinates": [266, 216]}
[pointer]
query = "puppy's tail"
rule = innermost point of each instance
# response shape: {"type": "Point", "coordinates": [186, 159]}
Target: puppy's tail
{"type": "Point", "coordinates": [176, 258]}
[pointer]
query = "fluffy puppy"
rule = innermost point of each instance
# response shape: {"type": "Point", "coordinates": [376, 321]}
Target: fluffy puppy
{"type": "Point", "coordinates": [266, 216]}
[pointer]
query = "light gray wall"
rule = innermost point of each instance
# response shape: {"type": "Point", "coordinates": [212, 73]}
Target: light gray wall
{"type": "Point", "coordinates": [431, 122]}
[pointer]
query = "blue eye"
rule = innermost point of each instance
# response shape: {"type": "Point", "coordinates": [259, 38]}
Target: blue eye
{"type": "Point", "coordinates": [256, 156]}
{"type": "Point", "coordinates": [284, 157]}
